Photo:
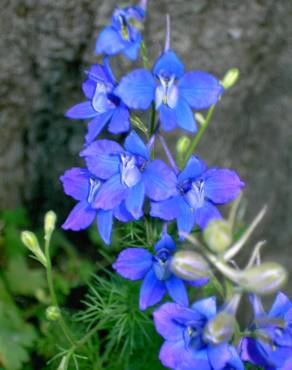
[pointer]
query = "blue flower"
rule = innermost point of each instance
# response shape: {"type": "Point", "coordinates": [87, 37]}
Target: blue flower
{"type": "Point", "coordinates": [81, 185]}
{"type": "Point", "coordinates": [198, 191]}
{"type": "Point", "coordinates": [185, 346]}
{"type": "Point", "coordinates": [271, 343]}
{"type": "Point", "coordinates": [175, 93]}
{"type": "Point", "coordinates": [122, 36]}
{"type": "Point", "coordinates": [102, 105]}
{"type": "Point", "coordinates": [129, 174]}
{"type": "Point", "coordinates": [138, 263]}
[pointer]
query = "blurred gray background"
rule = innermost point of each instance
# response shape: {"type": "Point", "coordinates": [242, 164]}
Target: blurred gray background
{"type": "Point", "coordinates": [45, 45]}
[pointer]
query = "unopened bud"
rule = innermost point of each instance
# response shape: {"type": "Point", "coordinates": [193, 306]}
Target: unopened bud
{"type": "Point", "coordinates": [190, 265]}
{"type": "Point", "coordinates": [220, 328]}
{"type": "Point", "coordinates": [53, 313]}
{"type": "Point", "coordinates": [50, 222]}
{"type": "Point", "coordinates": [263, 279]}
{"type": "Point", "coordinates": [182, 145]}
{"type": "Point", "coordinates": [230, 78]}
{"type": "Point", "coordinates": [200, 118]}
{"type": "Point", "coordinates": [30, 241]}
{"type": "Point", "coordinates": [64, 364]}
{"type": "Point", "coordinates": [218, 236]}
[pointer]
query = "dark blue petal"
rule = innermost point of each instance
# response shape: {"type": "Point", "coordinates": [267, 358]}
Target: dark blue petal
{"type": "Point", "coordinates": [137, 89]}
{"type": "Point", "coordinates": [102, 158]}
{"type": "Point", "coordinates": [281, 305]}
{"type": "Point", "coordinates": [206, 307]}
{"type": "Point", "coordinates": [96, 125]}
{"type": "Point", "coordinates": [120, 121]}
{"type": "Point", "coordinates": [171, 319]}
{"type": "Point", "coordinates": [206, 213]}
{"type": "Point", "coordinates": [193, 169]}
{"type": "Point", "coordinates": [167, 118]}
{"type": "Point", "coordinates": [222, 186]}
{"type": "Point", "coordinates": [172, 353]}
{"type": "Point", "coordinates": [81, 216]}
{"type": "Point", "coordinates": [76, 183]}
{"type": "Point", "coordinates": [168, 64]}
{"type": "Point", "coordinates": [186, 218]}
{"type": "Point", "coordinates": [177, 290]}
{"type": "Point", "coordinates": [133, 263]}
{"type": "Point", "coordinates": [135, 145]}
{"type": "Point", "coordinates": [165, 242]}
{"type": "Point", "coordinates": [160, 181]}
{"type": "Point", "coordinates": [152, 291]}
{"type": "Point", "coordinates": [166, 210]}
{"type": "Point", "coordinates": [111, 193]}
{"type": "Point", "coordinates": [122, 214]}
{"type": "Point", "coordinates": [105, 224]}
{"type": "Point", "coordinates": [249, 351]}
{"type": "Point", "coordinates": [135, 200]}
{"type": "Point", "coordinates": [81, 111]}
{"type": "Point", "coordinates": [184, 116]}
{"type": "Point", "coordinates": [109, 42]}
{"type": "Point", "coordinates": [200, 89]}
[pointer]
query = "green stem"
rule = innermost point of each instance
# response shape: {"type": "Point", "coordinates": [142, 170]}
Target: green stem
{"type": "Point", "coordinates": [200, 133]}
{"type": "Point", "coordinates": [152, 119]}
{"type": "Point", "coordinates": [54, 300]}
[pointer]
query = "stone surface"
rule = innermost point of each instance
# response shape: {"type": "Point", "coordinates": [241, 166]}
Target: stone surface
{"type": "Point", "coordinates": [46, 45]}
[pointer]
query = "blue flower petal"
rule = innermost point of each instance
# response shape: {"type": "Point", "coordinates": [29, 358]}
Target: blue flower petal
{"type": "Point", "coordinates": [81, 216]}
{"type": "Point", "coordinates": [109, 42]}
{"type": "Point", "coordinates": [177, 290]}
{"type": "Point", "coordinates": [186, 218]}
{"type": "Point", "coordinates": [166, 210]}
{"type": "Point", "coordinates": [193, 169]}
{"type": "Point", "coordinates": [167, 242]}
{"type": "Point", "coordinates": [105, 224]}
{"type": "Point", "coordinates": [206, 307]}
{"type": "Point", "coordinates": [88, 88]}
{"type": "Point", "coordinates": [160, 181]}
{"type": "Point", "coordinates": [219, 356]}
{"type": "Point", "coordinates": [133, 263]}
{"type": "Point", "coordinates": [172, 353]}
{"type": "Point", "coordinates": [184, 116]}
{"type": "Point", "coordinates": [132, 50]}
{"type": "Point", "coordinates": [281, 305]}
{"type": "Point", "coordinates": [122, 214]}
{"type": "Point", "coordinates": [120, 121]}
{"type": "Point", "coordinates": [235, 361]}
{"type": "Point", "coordinates": [222, 186]}
{"type": "Point", "coordinates": [135, 200]}
{"type": "Point", "coordinates": [102, 158]}
{"type": "Point", "coordinates": [76, 183]}
{"type": "Point", "coordinates": [168, 64]}
{"type": "Point", "coordinates": [206, 213]}
{"type": "Point", "coordinates": [81, 111]}
{"type": "Point", "coordinates": [96, 125]}
{"type": "Point", "coordinates": [167, 118]}
{"type": "Point", "coordinates": [152, 290]}
{"type": "Point", "coordinates": [111, 193]}
{"type": "Point", "coordinates": [137, 89]}
{"type": "Point", "coordinates": [250, 351]}
{"type": "Point", "coordinates": [200, 89]}
{"type": "Point", "coordinates": [135, 145]}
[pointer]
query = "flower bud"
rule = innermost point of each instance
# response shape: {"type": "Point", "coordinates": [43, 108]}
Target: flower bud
{"type": "Point", "coordinates": [264, 279]}
{"type": "Point", "coordinates": [218, 236]}
{"type": "Point", "coordinates": [220, 328]}
{"type": "Point", "coordinates": [30, 241]}
{"type": "Point", "coordinates": [200, 118]}
{"type": "Point", "coordinates": [230, 78]}
{"type": "Point", "coordinates": [189, 265]}
{"type": "Point", "coordinates": [64, 364]}
{"type": "Point", "coordinates": [53, 313]}
{"type": "Point", "coordinates": [182, 145]}
{"type": "Point", "coordinates": [50, 222]}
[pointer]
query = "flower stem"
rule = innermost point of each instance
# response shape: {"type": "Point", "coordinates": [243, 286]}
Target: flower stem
{"type": "Point", "coordinates": [152, 119]}
{"type": "Point", "coordinates": [168, 154]}
{"type": "Point", "coordinates": [200, 133]}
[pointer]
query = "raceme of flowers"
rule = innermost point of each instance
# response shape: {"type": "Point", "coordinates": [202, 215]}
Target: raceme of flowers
{"type": "Point", "coordinates": [127, 182]}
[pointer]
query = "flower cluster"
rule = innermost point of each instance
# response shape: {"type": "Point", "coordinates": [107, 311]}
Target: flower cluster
{"type": "Point", "coordinates": [128, 183]}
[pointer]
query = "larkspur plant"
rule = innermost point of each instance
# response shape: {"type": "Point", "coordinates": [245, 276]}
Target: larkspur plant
{"type": "Point", "coordinates": [185, 245]}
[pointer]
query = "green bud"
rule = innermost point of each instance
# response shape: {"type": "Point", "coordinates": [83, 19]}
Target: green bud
{"type": "Point", "coordinates": [182, 145]}
{"type": "Point", "coordinates": [218, 235]}
{"type": "Point", "coordinates": [30, 241]}
{"type": "Point", "coordinates": [53, 313]}
{"type": "Point", "coordinates": [220, 328]}
{"type": "Point", "coordinates": [266, 278]}
{"type": "Point", "coordinates": [200, 118]}
{"type": "Point", "coordinates": [50, 222]}
{"type": "Point", "coordinates": [190, 265]}
{"type": "Point", "coordinates": [64, 364]}
{"type": "Point", "coordinates": [230, 78]}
